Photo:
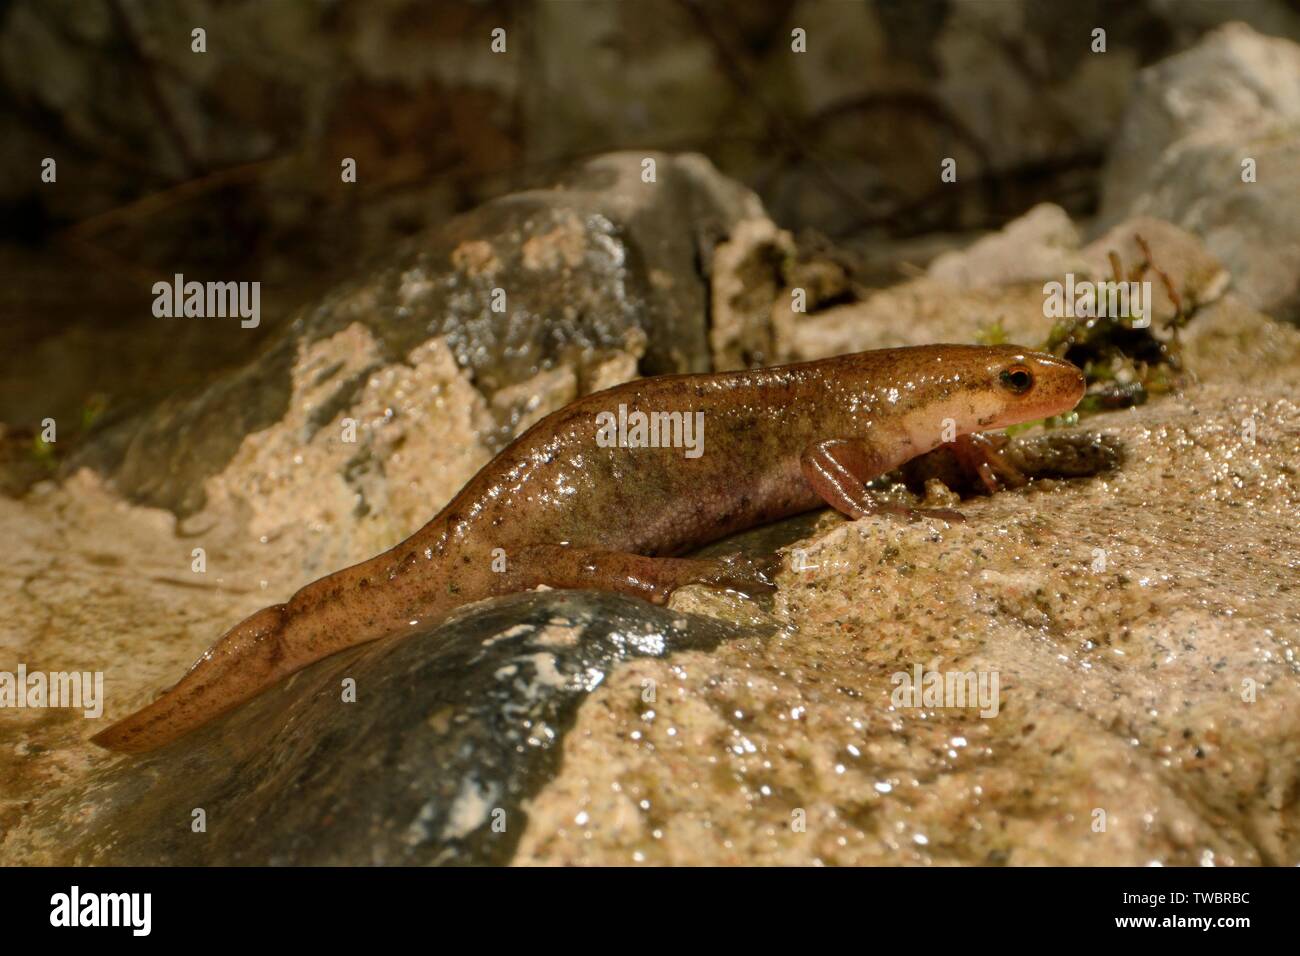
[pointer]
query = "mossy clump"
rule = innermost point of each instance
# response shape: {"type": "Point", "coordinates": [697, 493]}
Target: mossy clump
{"type": "Point", "coordinates": [1124, 362]}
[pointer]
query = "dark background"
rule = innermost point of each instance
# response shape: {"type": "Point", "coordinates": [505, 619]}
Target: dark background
{"type": "Point", "coordinates": [226, 164]}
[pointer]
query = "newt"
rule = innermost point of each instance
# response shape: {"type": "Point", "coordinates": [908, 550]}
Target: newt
{"type": "Point", "coordinates": [586, 498]}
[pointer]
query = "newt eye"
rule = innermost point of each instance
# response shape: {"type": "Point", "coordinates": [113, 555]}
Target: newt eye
{"type": "Point", "coordinates": [1017, 379]}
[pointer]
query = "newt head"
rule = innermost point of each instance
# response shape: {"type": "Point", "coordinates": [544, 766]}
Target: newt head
{"type": "Point", "coordinates": [976, 388]}
{"type": "Point", "coordinates": [1025, 386]}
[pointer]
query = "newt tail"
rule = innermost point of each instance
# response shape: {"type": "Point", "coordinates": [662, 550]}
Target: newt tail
{"type": "Point", "coordinates": [610, 490]}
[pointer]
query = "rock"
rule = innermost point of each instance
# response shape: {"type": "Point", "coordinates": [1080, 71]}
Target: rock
{"type": "Point", "coordinates": [747, 278]}
{"type": "Point", "coordinates": [1042, 244]}
{"type": "Point", "coordinates": [1193, 121]}
{"type": "Point", "coordinates": [1142, 630]}
{"type": "Point", "coordinates": [600, 265]}
{"type": "Point", "coordinates": [452, 731]}
{"type": "Point", "coordinates": [998, 283]}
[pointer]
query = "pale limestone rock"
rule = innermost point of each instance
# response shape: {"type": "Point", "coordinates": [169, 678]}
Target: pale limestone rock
{"type": "Point", "coordinates": [1040, 245]}
{"type": "Point", "coordinates": [1194, 120]}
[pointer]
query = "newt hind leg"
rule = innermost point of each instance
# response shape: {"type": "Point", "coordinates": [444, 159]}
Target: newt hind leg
{"type": "Point", "coordinates": [652, 579]}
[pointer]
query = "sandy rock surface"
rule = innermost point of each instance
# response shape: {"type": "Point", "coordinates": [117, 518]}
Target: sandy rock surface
{"type": "Point", "coordinates": [1143, 628]}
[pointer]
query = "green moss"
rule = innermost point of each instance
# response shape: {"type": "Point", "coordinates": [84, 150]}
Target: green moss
{"type": "Point", "coordinates": [48, 453]}
{"type": "Point", "coordinates": [1123, 364]}
{"type": "Point", "coordinates": [43, 452]}
{"type": "Point", "coordinates": [992, 334]}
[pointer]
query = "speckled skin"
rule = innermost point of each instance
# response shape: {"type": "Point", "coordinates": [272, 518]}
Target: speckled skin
{"type": "Point", "coordinates": [765, 456]}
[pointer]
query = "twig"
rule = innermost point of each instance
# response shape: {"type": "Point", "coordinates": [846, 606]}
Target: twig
{"type": "Point", "coordinates": [187, 152]}
{"type": "Point", "coordinates": [1177, 319]}
{"type": "Point", "coordinates": [146, 206]}
{"type": "Point", "coordinates": [743, 80]}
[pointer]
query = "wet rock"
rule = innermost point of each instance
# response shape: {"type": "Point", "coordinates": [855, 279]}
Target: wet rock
{"type": "Point", "coordinates": [1192, 123]}
{"type": "Point", "coordinates": [1142, 629]}
{"type": "Point", "coordinates": [601, 265]}
{"type": "Point", "coordinates": [452, 731]}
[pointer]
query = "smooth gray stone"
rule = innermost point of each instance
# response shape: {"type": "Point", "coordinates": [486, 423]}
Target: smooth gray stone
{"type": "Point", "coordinates": [453, 728]}
{"type": "Point", "coordinates": [600, 258]}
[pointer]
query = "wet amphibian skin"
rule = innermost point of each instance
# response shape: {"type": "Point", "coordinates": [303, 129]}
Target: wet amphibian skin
{"type": "Point", "coordinates": [605, 492]}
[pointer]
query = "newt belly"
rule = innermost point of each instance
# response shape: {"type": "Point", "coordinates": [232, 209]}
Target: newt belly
{"type": "Point", "coordinates": [609, 490]}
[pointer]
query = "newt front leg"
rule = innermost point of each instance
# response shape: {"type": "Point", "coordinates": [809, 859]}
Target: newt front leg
{"type": "Point", "coordinates": [839, 469]}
